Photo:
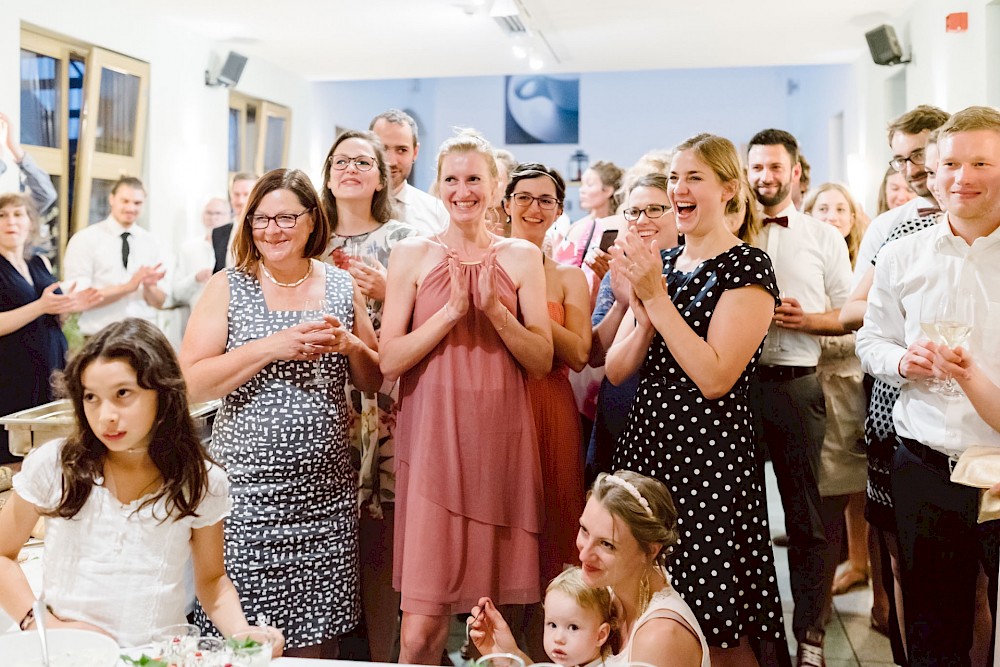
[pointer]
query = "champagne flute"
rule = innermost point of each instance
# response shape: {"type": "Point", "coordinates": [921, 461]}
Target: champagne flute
{"type": "Point", "coordinates": [953, 322]}
{"type": "Point", "coordinates": [313, 312]}
{"type": "Point", "coordinates": [774, 342]}
{"type": "Point", "coordinates": [929, 307]}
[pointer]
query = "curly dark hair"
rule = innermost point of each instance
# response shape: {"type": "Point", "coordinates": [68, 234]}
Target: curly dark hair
{"type": "Point", "coordinates": [174, 448]}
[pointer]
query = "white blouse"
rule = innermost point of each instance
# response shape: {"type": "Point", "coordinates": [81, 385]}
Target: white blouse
{"type": "Point", "coordinates": [119, 569]}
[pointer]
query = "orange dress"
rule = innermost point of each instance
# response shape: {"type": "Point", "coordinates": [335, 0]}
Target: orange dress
{"type": "Point", "coordinates": [468, 481]}
{"type": "Point", "coordinates": [558, 428]}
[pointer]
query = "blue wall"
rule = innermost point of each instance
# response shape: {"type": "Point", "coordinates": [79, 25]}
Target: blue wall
{"type": "Point", "coordinates": [622, 114]}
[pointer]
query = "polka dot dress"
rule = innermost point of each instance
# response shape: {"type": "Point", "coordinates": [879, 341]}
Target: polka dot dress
{"type": "Point", "coordinates": [291, 542]}
{"type": "Point", "coordinates": [703, 451]}
{"type": "Point", "coordinates": [880, 432]}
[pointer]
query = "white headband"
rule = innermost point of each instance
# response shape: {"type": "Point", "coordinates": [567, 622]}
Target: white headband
{"type": "Point", "coordinates": [633, 491]}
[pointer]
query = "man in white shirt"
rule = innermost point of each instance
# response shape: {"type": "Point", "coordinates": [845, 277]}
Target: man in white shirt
{"type": "Point", "coordinates": [941, 543]}
{"type": "Point", "coordinates": [121, 259]}
{"type": "Point", "coordinates": [908, 141]}
{"type": "Point", "coordinates": [813, 272]}
{"type": "Point", "coordinates": [398, 133]}
{"type": "Point", "coordinates": [196, 260]}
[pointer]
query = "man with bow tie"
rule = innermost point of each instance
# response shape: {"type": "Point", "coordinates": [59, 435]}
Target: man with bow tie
{"type": "Point", "coordinates": [813, 272]}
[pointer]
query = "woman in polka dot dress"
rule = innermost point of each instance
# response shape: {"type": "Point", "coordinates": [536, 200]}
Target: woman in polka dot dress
{"type": "Point", "coordinates": [700, 314]}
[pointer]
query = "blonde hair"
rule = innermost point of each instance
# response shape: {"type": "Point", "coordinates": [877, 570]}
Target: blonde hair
{"type": "Point", "coordinates": [597, 599]}
{"type": "Point", "coordinates": [652, 525]}
{"type": "Point", "coordinates": [468, 140]}
{"type": "Point", "coordinates": [971, 119]}
{"type": "Point", "coordinates": [853, 238]}
{"type": "Point", "coordinates": [720, 155]}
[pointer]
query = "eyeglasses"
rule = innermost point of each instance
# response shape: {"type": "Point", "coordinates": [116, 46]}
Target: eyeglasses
{"type": "Point", "coordinates": [361, 162]}
{"type": "Point", "coordinates": [916, 157]}
{"type": "Point", "coordinates": [524, 199]}
{"type": "Point", "coordinates": [652, 212]}
{"type": "Point", "coordinates": [283, 220]}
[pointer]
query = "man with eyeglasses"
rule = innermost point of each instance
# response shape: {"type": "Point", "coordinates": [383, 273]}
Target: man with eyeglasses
{"type": "Point", "coordinates": [196, 260]}
{"type": "Point", "coordinates": [398, 133]}
{"type": "Point", "coordinates": [813, 271]}
{"type": "Point", "coordinates": [908, 141]}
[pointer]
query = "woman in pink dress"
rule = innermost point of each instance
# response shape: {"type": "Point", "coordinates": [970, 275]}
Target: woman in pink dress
{"type": "Point", "coordinates": [464, 321]}
{"type": "Point", "coordinates": [533, 201]}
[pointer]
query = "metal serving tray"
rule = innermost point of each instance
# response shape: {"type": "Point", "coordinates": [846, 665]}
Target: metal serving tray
{"type": "Point", "coordinates": [35, 426]}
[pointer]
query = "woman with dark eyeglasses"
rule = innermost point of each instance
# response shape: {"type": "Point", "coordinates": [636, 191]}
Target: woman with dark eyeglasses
{"type": "Point", "coordinates": [357, 198]}
{"type": "Point", "coordinates": [533, 200]}
{"type": "Point", "coordinates": [276, 338]}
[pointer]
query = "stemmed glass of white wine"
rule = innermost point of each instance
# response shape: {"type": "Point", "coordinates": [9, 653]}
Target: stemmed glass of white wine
{"type": "Point", "coordinates": [954, 326]}
{"type": "Point", "coordinates": [312, 312]}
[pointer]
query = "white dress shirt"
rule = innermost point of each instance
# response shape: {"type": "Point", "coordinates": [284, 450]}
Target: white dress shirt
{"type": "Point", "coordinates": [119, 569]}
{"type": "Point", "coordinates": [94, 259]}
{"type": "Point", "coordinates": [421, 210]}
{"type": "Point", "coordinates": [878, 231]}
{"type": "Point", "coordinates": [811, 265]}
{"type": "Point", "coordinates": [931, 264]}
{"type": "Point", "coordinates": [196, 255]}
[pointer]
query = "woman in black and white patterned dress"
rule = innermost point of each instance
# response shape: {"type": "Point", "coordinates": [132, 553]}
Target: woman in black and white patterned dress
{"type": "Point", "coordinates": [701, 312]}
{"type": "Point", "coordinates": [291, 540]}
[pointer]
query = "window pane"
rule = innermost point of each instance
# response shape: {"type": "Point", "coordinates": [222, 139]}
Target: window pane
{"type": "Point", "coordinates": [100, 188]}
{"type": "Point", "coordinates": [274, 143]}
{"type": "Point", "coordinates": [46, 242]}
{"type": "Point", "coordinates": [117, 110]}
{"type": "Point", "coordinates": [250, 145]}
{"type": "Point", "coordinates": [39, 99]}
{"type": "Point", "coordinates": [234, 141]}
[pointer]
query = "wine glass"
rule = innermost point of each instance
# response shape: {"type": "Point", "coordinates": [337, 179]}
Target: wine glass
{"type": "Point", "coordinates": [500, 660]}
{"type": "Point", "coordinates": [929, 307]}
{"type": "Point", "coordinates": [774, 341]}
{"type": "Point", "coordinates": [953, 325]}
{"type": "Point", "coordinates": [312, 312]}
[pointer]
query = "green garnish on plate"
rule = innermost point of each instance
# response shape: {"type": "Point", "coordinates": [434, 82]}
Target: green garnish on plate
{"type": "Point", "coordinates": [144, 661]}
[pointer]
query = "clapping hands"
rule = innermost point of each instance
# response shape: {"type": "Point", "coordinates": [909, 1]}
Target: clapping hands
{"type": "Point", "coordinates": [70, 301]}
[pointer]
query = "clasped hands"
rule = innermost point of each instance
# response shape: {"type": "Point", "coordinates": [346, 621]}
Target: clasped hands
{"type": "Point", "coordinates": [310, 340]}
{"type": "Point", "coordinates": [488, 300]}
{"type": "Point", "coordinates": [639, 261]}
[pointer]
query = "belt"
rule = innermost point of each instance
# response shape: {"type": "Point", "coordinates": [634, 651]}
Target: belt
{"type": "Point", "coordinates": [783, 373]}
{"type": "Point", "coordinates": [931, 457]}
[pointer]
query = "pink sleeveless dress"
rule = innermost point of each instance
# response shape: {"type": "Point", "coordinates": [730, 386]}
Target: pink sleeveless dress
{"type": "Point", "coordinates": [468, 481]}
{"type": "Point", "coordinates": [558, 428]}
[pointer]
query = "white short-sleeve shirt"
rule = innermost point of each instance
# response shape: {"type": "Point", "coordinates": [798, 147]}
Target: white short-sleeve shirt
{"type": "Point", "coordinates": [119, 569]}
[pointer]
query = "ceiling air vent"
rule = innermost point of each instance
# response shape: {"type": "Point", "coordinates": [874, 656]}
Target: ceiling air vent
{"type": "Point", "coordinates": [508, 16]}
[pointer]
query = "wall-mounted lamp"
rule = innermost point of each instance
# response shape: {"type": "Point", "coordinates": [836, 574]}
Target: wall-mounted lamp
{"type": "Point", "coordinates": [231, 71]}
{"type": "Point", "coordinates": [578, 163]}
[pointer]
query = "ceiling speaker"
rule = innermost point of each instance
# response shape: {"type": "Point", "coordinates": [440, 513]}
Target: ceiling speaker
{"type": "Point", "coordinates": [232, 69]}
{"type": "Point", "coordinates": [884, 45]}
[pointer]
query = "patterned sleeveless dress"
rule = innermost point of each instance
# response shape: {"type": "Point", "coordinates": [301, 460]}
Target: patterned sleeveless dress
{"type": "Point", "coordinates": [291, 544]}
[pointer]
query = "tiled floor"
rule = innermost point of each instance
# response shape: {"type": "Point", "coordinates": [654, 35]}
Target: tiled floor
{"type": "Point", "coordinates": [850, 641]}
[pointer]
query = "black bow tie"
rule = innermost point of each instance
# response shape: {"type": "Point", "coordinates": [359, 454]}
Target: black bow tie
{"type": "Point", "coordinates": [782, 220]}
{"type": "Point", "coordinates": [930, 210]}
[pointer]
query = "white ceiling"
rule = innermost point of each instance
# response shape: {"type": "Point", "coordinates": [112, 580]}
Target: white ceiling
{"type": "Point", "coordinates": [386, 39]}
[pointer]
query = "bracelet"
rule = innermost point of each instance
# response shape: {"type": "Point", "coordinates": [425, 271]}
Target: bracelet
{"type": "Point", "coordinates": [506, 318]}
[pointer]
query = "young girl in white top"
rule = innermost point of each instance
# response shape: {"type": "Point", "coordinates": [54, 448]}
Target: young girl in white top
{"type": "Point", "coordinates": [129, 498]}
{"type": "Point", "coordinates": [581, 622]}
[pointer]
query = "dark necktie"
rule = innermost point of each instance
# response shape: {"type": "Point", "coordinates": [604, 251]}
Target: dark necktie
{"type": "Point", "coordinates": [930, 210]}
{"type": "Point", "coordinates": [125, 249]}
{"type": "Point", "coordinates": [782, 220]}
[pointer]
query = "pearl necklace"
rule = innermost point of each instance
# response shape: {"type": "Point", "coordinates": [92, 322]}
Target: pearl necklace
{"type": "Point", "coordinates": [292, 284]}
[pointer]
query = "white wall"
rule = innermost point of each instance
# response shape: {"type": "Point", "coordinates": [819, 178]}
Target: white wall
{"type": "Point", "coordinates": [186, 150]}
{"type": "Point", "coordinates": [622, 114]}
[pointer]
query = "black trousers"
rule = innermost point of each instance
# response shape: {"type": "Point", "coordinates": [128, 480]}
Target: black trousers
{"type": "Point", "coordinates": [790, 419]}
{"type": "Point", "coordinates": [941, 546]}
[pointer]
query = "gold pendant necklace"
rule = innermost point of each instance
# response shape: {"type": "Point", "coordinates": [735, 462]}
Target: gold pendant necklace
{"type": "Point", "coordinates": [292, 284]}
